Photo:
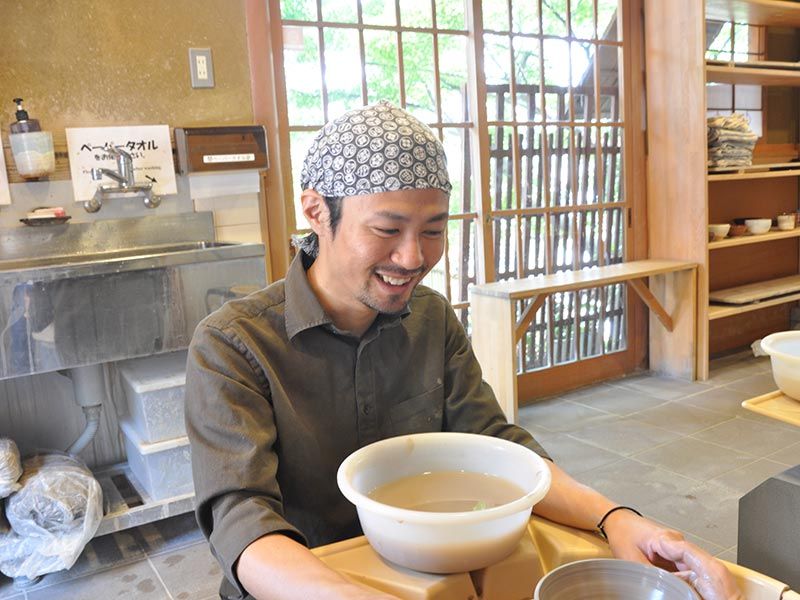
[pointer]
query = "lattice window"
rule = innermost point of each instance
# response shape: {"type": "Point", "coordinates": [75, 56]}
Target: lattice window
{"type": "Point", "coordinates": [550, 85]}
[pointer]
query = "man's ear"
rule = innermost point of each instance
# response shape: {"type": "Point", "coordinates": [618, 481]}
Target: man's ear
{"type": "Point", "coordinates": [316, 211]}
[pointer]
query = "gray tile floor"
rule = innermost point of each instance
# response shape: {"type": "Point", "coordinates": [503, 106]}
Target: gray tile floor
{"type": "Point", "coordinates": [682, 452]}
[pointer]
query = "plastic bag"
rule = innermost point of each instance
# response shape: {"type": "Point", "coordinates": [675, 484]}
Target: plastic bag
{"type": "Point", "coordinates": [53, 516]}
{"type": "Point", "coordinates": [10, 467]}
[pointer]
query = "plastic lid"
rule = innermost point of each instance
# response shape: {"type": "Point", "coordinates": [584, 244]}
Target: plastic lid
{"type": "Point", "coordinates": [21, 114]}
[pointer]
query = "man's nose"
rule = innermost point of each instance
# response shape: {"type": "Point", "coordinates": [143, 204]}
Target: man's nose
{"type": "Point", "coordinates": [408, 254]}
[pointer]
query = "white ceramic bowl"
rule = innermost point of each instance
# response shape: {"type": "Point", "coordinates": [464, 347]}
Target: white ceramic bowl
{"type": "Point", "coordinates": [611, 579]}
{"type": "Point", "coordinates": [784, 354]}
{"type": "Point", "coordinates": [720, 230]}
{"type": "Point", "coordinates": [758, 226]}
{"type": "Point", "coordinates": [439, 542]}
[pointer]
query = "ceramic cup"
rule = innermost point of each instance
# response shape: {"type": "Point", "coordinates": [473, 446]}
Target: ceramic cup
{"type": "Point", "coordinates": [786, 221]}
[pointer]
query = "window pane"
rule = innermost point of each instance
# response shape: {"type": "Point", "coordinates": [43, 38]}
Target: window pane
{"type": "Point", "coordinates": [534, 240]}
{"type": "Point", "coordinates": [590, 341]}
{"type": "Point", "coordinates": [607, 23]}
{"type": "Point", "coordinates": [303, 79]}
{"type": "Point", "coordinates": [378, 12]}
{"type": "Point", "coordinates": [500, 168]}
{"type": "Point", "coordinates": [418, 72]}
{"type": "Point", "coordinates": [582, 19]}
{"type": "Point", "coordinates": [563, 327]}
{"type": "Point", "coordinates": [527, 71]}
{"type": "Point", "coordinates": [414, 13]}
{"type": "Point", "coordinates": [505, 247]}
{"type": "Point", "coordinates": [496, 59]}
{"type": "Point", "coordinates": [525, 16]}
{"type": "Point", "coordinates": [586, 165]}
{"type": "Point", "coordinates": [558, 150]}
{"type": "Point", "coordinates": [451, 14]}
{"type": "Point", "coordinates": [495, 15]}
{"type": "Point", "coordinates": [615, 323]}
{"type": "Point", "coordinates": [535, 347]}
{"type": "Point", "coordinates": [609, 61]}
{"type": "Point", "coordinates": [583, 59]}
{"type": "Point", "coordinates": [301, 10]}
{"type": "Point", "coordinates": [554, 17]}
{"type": "Point", "coordinates": [531, 166]}
{"type": "Point", "coordinates": [459, 167]}
{"type": "Point", "coordinates": [461, 235]}
{"type": "Point", "coordinates": [611, 153]}
{"type": "Point", "coordinates": [453, 78]}
{"type": "Point", "coordinates": [339, 11]}
{"type": "Point", "coordinates": [561, 241]}
{"type": "Point", "coordinates": [342, 76]}
{"type": "Point", "coordinates": [589, 233]}
{"type": "Point", "coordinates": [614, 235]}
{"type": "Point", "coordinates": [383, 81]}
{"type": "Point", "coordinates": [556, 79]}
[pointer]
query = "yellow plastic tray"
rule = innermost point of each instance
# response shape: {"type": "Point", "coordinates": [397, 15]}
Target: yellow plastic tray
{"type": "Point", "coordinates": [776, 405]}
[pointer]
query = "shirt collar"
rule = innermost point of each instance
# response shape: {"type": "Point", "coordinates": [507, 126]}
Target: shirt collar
{"type": "Point", "coordinates": [303, 310]}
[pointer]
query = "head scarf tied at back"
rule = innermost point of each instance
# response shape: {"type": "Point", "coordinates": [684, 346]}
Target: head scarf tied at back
{"type": "Point", "coordinates": [369, 150]}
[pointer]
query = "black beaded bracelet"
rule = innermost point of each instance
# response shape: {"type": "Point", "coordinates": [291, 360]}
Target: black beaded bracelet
{"type": "Point", "coordinates": [601, 525]}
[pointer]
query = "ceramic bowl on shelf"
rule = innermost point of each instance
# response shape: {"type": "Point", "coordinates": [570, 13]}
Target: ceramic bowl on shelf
{"type": "Point", "coordinates": [413, 533]}
{"type": "Point", "coordinates": [719, 230]}
{"type": "Point", "coordinates": [758, 226]}
{"type": "Point", "coordinates": [784, 355]}
{"type": "Point", "coordinates": [737, 230]}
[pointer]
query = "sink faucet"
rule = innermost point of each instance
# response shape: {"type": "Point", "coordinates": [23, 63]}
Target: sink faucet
{"type": "Point", "coordinates": [126, 183]}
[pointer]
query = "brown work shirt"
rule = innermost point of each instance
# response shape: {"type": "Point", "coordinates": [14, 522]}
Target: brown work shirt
{"type": "Point", "coordinates": [277, 397]}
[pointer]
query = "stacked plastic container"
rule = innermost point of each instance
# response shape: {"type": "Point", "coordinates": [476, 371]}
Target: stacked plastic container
{"type": "Point", "coordinates": [154, 431]}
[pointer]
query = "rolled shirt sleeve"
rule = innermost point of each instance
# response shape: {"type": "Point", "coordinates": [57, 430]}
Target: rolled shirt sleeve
{"type": "Point", "coordinates": [231, 428]}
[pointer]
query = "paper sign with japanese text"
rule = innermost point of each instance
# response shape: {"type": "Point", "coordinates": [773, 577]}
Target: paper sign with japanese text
{"type": "Point", "coordinates": [5, 193]}
{"type": "Point", "coordinates": [149, 145]}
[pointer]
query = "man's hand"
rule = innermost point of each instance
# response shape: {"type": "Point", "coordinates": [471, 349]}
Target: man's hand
{"type": "Point", "coordinates": [634, 538]}
{"type": "Point", "coordinates": [706, 574]}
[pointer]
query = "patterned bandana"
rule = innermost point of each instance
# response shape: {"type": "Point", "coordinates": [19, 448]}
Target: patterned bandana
{"type": "Point", "coordinates": [373, 149]}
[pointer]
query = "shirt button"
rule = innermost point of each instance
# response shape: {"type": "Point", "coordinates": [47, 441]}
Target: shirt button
{"type": "Point", "coordinates": [365, 410]}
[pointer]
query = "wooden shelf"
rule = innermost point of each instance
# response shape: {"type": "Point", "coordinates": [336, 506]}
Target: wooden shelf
{"type": "Point", "coordinates": [752, 75]}
{"type": "Point", "coordinates": [755, 12]}
{"type": "Point", "coordinates": [763, 171]}
{"type": "Point", "coordinates": [744, 240]}
{"type": "Point", "coordinates": [718, 311]}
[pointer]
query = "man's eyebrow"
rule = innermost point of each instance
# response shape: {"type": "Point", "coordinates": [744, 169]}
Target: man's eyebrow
{"type": "Point", "coordinates": [398, 217]}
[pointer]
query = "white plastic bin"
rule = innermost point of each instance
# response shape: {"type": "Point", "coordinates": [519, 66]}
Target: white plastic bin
{"type": "Point", "coordinates": [154, 388]}
{"type": "Point", "coordinates": [164, 469]}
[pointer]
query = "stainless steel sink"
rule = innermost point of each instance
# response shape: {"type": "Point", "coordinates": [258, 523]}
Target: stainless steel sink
{"type": "Point", "coordinates": [126, 255]}
{"type": "Point", "coordinates": [83, 294]}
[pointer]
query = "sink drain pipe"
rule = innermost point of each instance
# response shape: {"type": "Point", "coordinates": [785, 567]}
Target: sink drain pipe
{"type": "Point", "coordinates": [88, 384]}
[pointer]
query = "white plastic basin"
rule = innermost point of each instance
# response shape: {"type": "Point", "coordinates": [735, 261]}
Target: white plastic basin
{"type": "Point", "coordinates": [443, 542]}
{"type": "Point", "coordinates": [784, 353]}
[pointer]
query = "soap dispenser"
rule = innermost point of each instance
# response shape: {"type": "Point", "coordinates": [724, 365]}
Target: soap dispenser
{"type": "Point", "coordinates": [32, 148]}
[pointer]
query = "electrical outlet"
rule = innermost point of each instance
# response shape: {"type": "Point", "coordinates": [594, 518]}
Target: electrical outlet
{"type": "Point", "coordinates": [201, 68]}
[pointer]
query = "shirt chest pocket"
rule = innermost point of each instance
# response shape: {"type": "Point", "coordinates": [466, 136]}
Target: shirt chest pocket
{"type": "Point", "coordinates": [419, 414]}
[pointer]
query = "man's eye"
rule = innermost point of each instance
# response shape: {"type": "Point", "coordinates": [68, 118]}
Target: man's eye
{"type": "Point", "coordinates": [382, 231]}
{"type": "Point", "coordinates": [434, 233]}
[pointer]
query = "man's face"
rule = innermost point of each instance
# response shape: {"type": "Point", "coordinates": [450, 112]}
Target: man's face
{"type": "Point", "coordinates": [384, 245]}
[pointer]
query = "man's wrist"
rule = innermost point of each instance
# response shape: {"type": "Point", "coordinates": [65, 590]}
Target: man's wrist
{"type": "Point", "coordinates": [610, 514]}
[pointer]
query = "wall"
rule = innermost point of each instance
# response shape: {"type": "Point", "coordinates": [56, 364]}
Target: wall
{"type": "Point", "coordinates": [95, 63]}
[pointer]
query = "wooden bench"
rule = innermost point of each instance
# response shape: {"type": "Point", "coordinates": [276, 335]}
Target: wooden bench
{"type": "Point", "coordinates": [671, 298]}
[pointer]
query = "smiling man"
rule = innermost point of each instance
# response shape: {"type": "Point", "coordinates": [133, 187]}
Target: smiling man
{"type": "Point", "coordinates": [348, 349]}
